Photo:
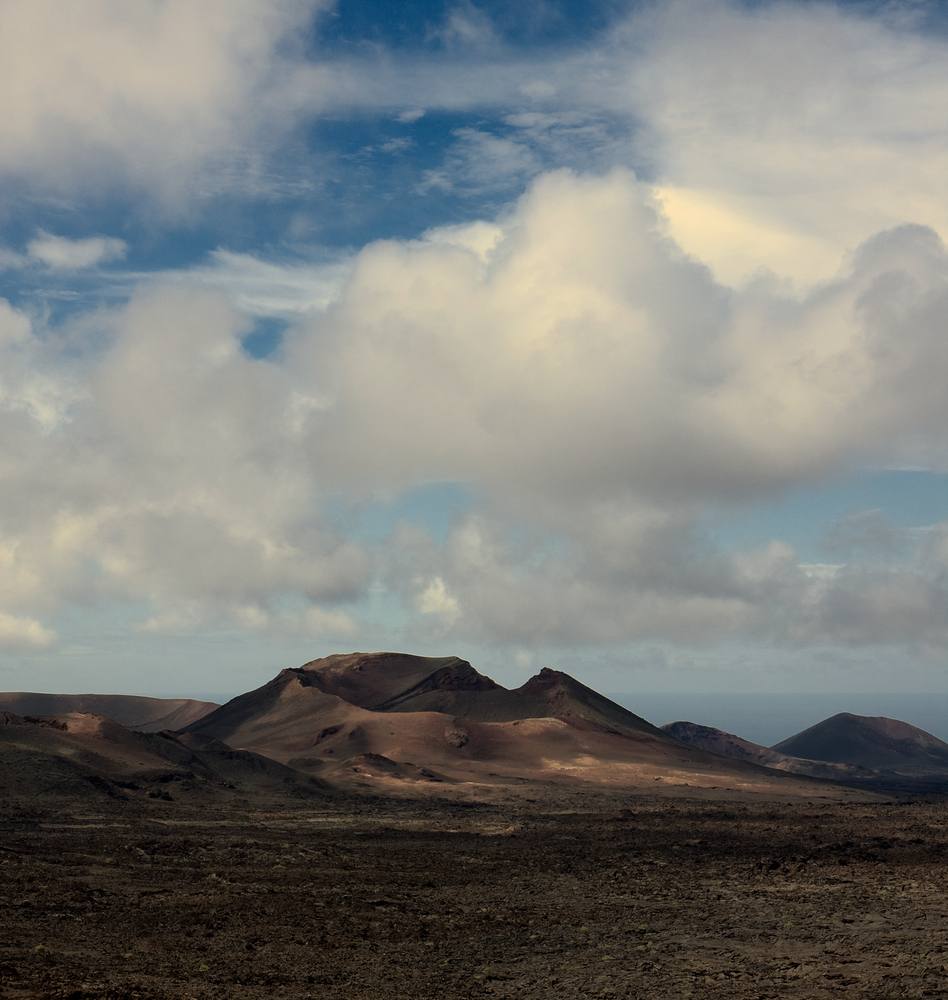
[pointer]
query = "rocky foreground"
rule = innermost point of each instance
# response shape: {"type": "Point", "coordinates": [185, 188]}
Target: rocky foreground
{"type": "Point", "coordinates": [560, 895]}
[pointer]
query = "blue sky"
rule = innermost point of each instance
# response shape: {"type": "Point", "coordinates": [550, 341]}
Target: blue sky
{"type": "Point", "coordinates": [608, 337]}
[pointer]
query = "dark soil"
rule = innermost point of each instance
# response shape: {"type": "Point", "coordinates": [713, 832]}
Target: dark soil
{"type": "Point", "coordinates": [601, 896]}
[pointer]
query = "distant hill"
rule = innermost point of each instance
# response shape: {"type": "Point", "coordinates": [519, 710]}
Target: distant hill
{"type": "Point", "coordinates": [874, 742]}
{"type": "Point", "coordinates": [390, 717]}
{"type": "Point", "coordinates": [863, 751]}
{"type": "Point", "coordinates": [729, 745]}
{"type": "Point", "coordinates": [146, 715]}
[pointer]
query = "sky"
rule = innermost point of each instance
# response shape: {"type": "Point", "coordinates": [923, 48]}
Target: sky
{"type": "Point", "coordinates": [603, 336]}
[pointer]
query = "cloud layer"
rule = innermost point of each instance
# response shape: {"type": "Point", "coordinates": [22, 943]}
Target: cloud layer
{"type": "Point", "coordinates": [569, 359]}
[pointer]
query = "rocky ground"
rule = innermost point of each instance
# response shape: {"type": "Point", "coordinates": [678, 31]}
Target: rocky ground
{"type": "Point", "coordinates": [552, 895]}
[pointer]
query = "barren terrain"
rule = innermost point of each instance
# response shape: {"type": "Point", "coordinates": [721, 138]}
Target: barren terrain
{"type": "Point", "coordinates": [550, 893]}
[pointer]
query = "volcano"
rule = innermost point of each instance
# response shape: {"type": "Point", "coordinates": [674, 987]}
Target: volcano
{"type": "Point", "coordinates": [383, 718]}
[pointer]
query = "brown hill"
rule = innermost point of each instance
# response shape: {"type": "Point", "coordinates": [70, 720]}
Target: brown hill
{"type": "Point", "coordinates": [875, 742]}
{"type": "Point", "coordinates": [377, 717]}
{"type": "Point", "coordinates": [77, 752]}
{"type": "Point", "coordinates": [145, 715]}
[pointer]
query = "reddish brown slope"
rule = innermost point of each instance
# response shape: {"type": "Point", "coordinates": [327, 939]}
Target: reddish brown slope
{"type": "Point", "coordinates": [287, 713]}
{"type": "Point", "coordinates": [293, 712]}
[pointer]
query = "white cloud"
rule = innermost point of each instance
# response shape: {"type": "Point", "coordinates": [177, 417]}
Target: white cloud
{"type": "Point", "coordinates": [618, 574]}
{"type": "Point", "coordinates": [45, 398]}
{"type": "Point", "coordinates": [579, 355]}
{"type": "Point", "coordinates": [567, 359]}
{"type": "Point", "coordinates": [435, 600]}
{"type": "Point", "coordinates": [594, 359]}
{"type": "Point", "coordinates": [867, 605]}
{"type": "Point", "coordinates": [653, 581]}
{"type": "Point", "coordinates": [61, 254]}
{"type": "Point", "coordinates": [466, 27]}
{"type": "Point", "coordinates": [479, 162]}
{"type": "Point", "coordinates": [780, 136]}
{"type": "Point", "coordinates": [189, 617]}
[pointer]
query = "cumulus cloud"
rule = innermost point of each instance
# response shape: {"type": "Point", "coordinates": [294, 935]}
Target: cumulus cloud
{"type": "Point", "coordinates": [577, 355]}
{"type": "Point", "coordinates": [634, 574]}
{"type": "Point", "coordinates": [654, 582]}
{"type": "Point", "coordinates": [882, 604]}
{"type": "Point", "coordinates": [586, 354]}
{"type": "Point", "coordinates": [567, 358]}
{"type": "Point", "coordinates": [599, 359]}
{"type": "Point", "coordinates": [779, 135]}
